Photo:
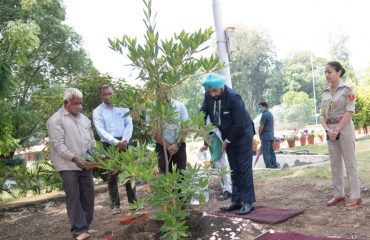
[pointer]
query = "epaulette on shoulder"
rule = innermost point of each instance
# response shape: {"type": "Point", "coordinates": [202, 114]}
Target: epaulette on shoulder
{"type": "Point", "coordinates": [350, 87]}
{"type": "Point", "coordinates": [326, 90]}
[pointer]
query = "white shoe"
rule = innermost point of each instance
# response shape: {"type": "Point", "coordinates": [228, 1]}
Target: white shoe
{"type": "Point", "coordinates": [83, 236]}
{"type": "Point", "coordinates": [116, 210]}
{"type": "Point", "coordinates": [92, 231]}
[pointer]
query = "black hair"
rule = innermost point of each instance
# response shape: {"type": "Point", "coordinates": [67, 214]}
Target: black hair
{"type": "Point", "coordinates": [338, 67]}
{"type": "Point", "coordinates": [105, 86]}
{"type": "Point", "coordinates": [263, 104]}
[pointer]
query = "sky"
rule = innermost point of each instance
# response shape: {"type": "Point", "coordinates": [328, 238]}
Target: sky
{"type": "Point", "coordinates": [293, 25]}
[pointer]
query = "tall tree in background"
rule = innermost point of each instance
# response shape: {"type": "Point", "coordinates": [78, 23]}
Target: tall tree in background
{"type": "Point", "coordinates": [275, 85]}
{"type": "Point", "coordinates": [191, 94]}
{"type": "Point", "coordinates": [297, 72]}
{"type": "Point", "coordinates": [338, 49]}
{"type": "Point", "coordinates": [252, 65]}
{"type": "Point", "coordinates": [17, 39]}
{"type": "Point", "coordinates": [58, 59]}
{"type": "Point", "coordinates": [339, 52]}
{"type": "Point", "coordinates": [296, 110]}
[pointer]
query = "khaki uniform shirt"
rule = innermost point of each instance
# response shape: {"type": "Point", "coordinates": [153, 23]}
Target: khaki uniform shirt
{"type": "Point", "coordinates": [336, 102]}
{"type": "Point", "coordinates": [69, 136]}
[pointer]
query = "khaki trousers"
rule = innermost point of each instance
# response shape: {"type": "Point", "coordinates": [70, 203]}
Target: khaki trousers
{"type": "Point", "coordinates": [344, 148]}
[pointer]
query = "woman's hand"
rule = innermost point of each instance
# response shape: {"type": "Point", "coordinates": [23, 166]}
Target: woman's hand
{"type": "Point", "coordinates": [333, 134]}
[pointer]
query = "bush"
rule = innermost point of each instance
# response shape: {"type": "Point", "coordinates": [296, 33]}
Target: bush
{"type": "Point", "coordinates": [14, 161]}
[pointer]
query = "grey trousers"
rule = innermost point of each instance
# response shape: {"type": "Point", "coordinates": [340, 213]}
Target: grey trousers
{"type": "Point", "coordinates": [269, 153]}
{"type": "Point", "coordinates": [344, 150]}
{"type": "Point", "coordinates": [79, 190]}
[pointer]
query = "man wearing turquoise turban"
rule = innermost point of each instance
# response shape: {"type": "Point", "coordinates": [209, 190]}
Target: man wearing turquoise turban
{"type": "Point", "coordinates": [226, 110]}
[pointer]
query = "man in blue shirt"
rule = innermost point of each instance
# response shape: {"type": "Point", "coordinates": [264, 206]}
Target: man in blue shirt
{"type": "Point", "coordinates": [266, 133]}
{"type": "Point", "coordinates": [114, 129]}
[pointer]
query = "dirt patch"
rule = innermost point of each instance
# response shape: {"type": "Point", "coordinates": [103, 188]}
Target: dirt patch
{"type": "Point", "coordinates": [49, 220]}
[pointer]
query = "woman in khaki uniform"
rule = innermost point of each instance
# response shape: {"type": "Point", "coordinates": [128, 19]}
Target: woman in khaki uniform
{"type": "Point", "coordinates": [338, 105]}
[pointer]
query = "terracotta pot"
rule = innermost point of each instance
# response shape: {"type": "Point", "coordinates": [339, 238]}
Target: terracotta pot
{"type": "Point", "coordinates": [321, 137]}
{"type": "Point", "coordinates": [303, 141]}
{"type": "Point", "coordinates": [128, 219]}
{"type": "Point", "coordinates": [276, 145]}
{"type": "Point", "coordinates": [311, 139]}
{"type": "Point", "coordinates": [291, 143]}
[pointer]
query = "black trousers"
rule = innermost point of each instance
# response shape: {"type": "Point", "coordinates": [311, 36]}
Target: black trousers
{"type": "Point", "coordinates": [112, 180]}
{"type": "Point", "coordinates": [79, 189]}
{"type": "Point", "coordinates": [240, 158]}
{"type": "Point", "coordinates": [179, 159]}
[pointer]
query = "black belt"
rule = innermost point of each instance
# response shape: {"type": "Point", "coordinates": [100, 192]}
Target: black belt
{"type": "Point", "coordinates": [333, 120]}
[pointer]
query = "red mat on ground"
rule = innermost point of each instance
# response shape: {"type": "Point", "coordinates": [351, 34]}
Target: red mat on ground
{"type": "Point", "coordinates": [294, 236]}
{"type": "Point", "coordinates": [264, 214]}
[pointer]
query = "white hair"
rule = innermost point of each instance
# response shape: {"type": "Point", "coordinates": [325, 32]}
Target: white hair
{"type": "Point", "coordinates": [70, 93]}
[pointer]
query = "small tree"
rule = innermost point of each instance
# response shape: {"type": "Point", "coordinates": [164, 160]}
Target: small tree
{"type": "Point", "coordinates": [163, 65]}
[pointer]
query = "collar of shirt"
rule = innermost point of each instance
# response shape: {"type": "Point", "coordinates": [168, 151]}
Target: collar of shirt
{"type": "Point", "coordinates": [65, 112]}
{"type": "Point", "coordinates": [340, 84]}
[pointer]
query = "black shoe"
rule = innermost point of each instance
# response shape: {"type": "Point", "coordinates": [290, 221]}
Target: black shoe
{"type": "Point", "coordinates": [225, 195]}
{"type": "Point", "coordinates": [247, 208]}
{"type": "Point", "coordinates": [231, 207]}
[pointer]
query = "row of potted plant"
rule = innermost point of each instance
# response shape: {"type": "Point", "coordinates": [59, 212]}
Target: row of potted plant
{"type": "Point", "coordinates": [303, 135]}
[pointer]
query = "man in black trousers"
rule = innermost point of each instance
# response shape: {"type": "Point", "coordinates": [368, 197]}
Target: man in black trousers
{"type": "Point", "coordinates": [114, 128]}
{"type": "Point", "coordinates": [226, 110]}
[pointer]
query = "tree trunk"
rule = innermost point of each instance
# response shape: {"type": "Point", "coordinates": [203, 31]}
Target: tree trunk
{"type": "Point", "coordinates": [165, 155]}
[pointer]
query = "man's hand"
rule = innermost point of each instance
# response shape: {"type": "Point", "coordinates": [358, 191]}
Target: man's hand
{"type": "Point", "coordinates": [79, 161]}
{"type": "Point", "coordinates": [122, 145]}
{"type": "Point", "coordinates": [224, 146]}
{"type": "Point", "coordinates": [173, 148]}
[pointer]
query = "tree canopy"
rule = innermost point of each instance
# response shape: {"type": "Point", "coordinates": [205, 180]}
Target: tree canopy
{"type": "Point", "coordinates": [37, 51]}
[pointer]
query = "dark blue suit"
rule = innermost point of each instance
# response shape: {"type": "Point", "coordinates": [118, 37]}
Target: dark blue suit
{"type": "Point", "coordinates": [238, 128]}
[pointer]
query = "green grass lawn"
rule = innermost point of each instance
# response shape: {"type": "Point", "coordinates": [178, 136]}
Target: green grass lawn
{"type": "Point", "coordinates": [323, 171]}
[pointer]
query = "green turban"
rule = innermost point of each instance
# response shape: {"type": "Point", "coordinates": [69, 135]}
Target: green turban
{"type": "Point", "coordinates": [213, 80]}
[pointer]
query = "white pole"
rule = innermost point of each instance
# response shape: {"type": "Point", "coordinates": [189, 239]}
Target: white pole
{"type": "Point", "coordinates": [221, 41]}
{"type": "Point", "coordinates": [313, 86]}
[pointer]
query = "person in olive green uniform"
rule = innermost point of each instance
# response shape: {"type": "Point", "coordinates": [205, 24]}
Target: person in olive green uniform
{"type": "Point", "coordinates": [338, 105]}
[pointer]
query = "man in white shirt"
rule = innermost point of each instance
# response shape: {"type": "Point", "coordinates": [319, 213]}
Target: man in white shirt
{"type": "Point", "coordinates": [175, 149]}
{"type": "Point", "coordinates": [114, 126]}
{"type": "Point", "coordinates": [70, 138]}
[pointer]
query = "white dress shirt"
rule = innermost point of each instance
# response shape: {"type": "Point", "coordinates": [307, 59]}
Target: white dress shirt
{"type": "Point", "coordinates": [112, 123]}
